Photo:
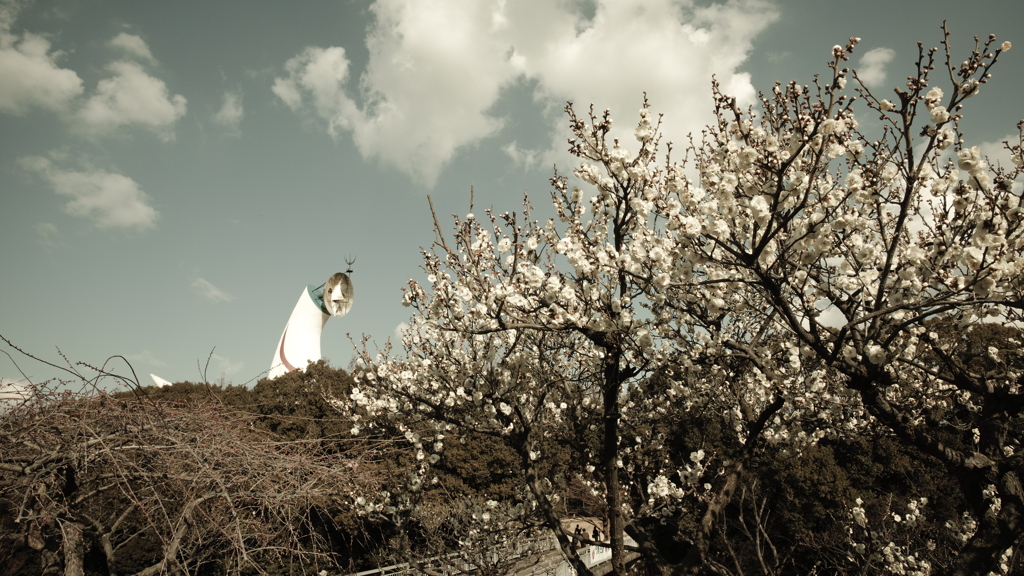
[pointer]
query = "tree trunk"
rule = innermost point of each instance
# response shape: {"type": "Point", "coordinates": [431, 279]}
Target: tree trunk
{"type": "Point", "coordinates": [996, 532]}
{"type": "Point", "coordinates": [616, 530]}
{"type": "Point", "coordinates": [554, 522]}
{"type": "Point", "coordinates": [74, 549]}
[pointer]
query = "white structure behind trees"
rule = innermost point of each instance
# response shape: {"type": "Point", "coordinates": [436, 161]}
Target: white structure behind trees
{"type": "Point", "coordinates": [300, 342]}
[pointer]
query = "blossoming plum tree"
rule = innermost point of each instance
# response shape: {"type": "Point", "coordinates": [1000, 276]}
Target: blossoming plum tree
{"type": "Point", "coordinates": [534, 329]}
{"type": "Point", "coordinates": [896, 237]}
{"type": "Point", "coordinates": [789, 273]}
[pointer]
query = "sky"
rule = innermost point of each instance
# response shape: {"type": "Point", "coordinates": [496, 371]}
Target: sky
{"type": "Point", "coordinates": [174, 174]}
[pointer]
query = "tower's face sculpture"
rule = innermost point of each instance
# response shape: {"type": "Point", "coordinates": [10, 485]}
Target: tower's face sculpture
{"type": "Point", "coordinates": [338, 294]}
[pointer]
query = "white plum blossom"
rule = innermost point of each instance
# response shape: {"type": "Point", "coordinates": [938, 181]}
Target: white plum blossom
{"type": "Point", "coordinates": [939, 114]}
{"type": "Point", "coordinates": [875, 353]}
{"type": "Point", "coordinates": [858, 514]}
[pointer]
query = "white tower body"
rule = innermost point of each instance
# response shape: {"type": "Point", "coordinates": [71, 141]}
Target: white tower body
{"type": "Point", "coordinates": [300, 341]}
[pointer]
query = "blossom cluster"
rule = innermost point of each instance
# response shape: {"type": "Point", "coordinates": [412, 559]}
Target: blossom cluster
{"type": "Point", "coordinates": [876, 546]}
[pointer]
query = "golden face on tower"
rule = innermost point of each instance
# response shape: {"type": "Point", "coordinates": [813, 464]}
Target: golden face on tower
{"type": "Point", "coordinates": [338, 294]}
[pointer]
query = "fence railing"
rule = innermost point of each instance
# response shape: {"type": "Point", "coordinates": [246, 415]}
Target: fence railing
{"type": "Point", "coordinates": [461, 562]}
{"type": "Point", "coordinates": [515, 554]}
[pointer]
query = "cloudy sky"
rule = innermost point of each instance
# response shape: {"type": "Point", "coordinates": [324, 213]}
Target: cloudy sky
{"type": "Point", "coordinates": [173, 174]}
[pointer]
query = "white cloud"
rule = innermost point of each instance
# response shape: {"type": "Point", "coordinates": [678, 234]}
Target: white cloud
{"type": "Point", "coordinates": [287, 89]}
{"type": "Point", "coordinates": [872, 68]}
{"type": "Point", "coordinates": [521, 157]}
{"type": "Point", "coordinates": [31, 78]}
{"type": "Point", "coordinates": [224, 366]}
{"type": "Point", "coordinates": [432, 75]}
{"type": "Point", "coordinates": [996, 154]}
{"type": "Point", "coordinates": [134, 45]}
{"type": "Point", "coordinates": [830, 315]}
{"type": "Point", "coordinates": [668, 49]}
{"type": "Point", "coordinates": [318, 74]}
{"type": "Point", "coordinates": [437, 69]}
{"type": "Point", "coordinates": [400, 330]}
{"type": "Point", "coordinates": [132, 96]}
{"type": "Point", "coordinates": [8, 14]}
{"type": "Point", "coordinates": [110, 200]}
{"type": "Point", "coordinates": [211, 292]}
{"type": "Point", "coordinates": [49, 235]}
{"type": "Point", "coordinates": [231, 112]}
{"type": "Point", "coordinates": [996, 151]}
{"type": "Point", "coordinates": [146, 357]}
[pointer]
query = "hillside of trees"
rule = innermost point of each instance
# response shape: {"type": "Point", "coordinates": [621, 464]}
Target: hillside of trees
{"type": "Point", "coordinates": [786, 347]}
{"type": "Point", "coordinates": [198, 478]}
